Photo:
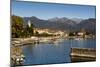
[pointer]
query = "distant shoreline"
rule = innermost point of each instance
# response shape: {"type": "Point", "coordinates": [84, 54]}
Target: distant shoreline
{"type": "Point", "coordinates": [36, 40]}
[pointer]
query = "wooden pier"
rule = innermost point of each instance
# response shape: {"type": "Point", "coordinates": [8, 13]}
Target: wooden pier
{"type": "Point", "coordinates": [83, 54]}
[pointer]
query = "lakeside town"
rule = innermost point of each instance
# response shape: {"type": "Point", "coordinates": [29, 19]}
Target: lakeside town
{"type": "Point", "coordinates": [49, 33]}
{"type": "Point", "coordinates": [42, 36]}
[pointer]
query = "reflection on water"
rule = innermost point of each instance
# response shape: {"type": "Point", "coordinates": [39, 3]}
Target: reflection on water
{"type": "Point", "coordinates": [85, 43]}
{"type": "Point", "coordinates": [57, 52]}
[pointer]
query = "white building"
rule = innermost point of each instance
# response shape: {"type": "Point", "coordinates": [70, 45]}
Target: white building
{"type": "Point", "coordinates": [80, 33]}
{"type": "Point", "coordinates": [29, 23]}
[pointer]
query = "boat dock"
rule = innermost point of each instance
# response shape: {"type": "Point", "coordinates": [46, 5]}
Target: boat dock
{"type": "Point", "coordinates": [83, 54]}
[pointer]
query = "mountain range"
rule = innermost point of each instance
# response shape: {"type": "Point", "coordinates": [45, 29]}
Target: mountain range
{"type": "Point", "coordinates": [64, 24]}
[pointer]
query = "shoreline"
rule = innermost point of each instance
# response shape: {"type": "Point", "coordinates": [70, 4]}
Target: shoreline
{"type": "Point", "coordinates": [37, 40]}
{"type": "Point", "coordinates": [74, 57]}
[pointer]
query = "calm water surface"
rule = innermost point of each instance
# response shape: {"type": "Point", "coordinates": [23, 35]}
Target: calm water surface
{"type": "Point", "coordinates": [58, 52]}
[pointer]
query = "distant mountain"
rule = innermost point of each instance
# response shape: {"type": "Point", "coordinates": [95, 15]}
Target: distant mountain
{"type": "Point", "coordinates": [53, 19]}
{"type": "Point", "coordinates": [54, 23]}
{"type": "Point", "coordinates": [88, 25]}
{"type": "Point", "coordinates": [63, 20]}
{"type": "Point", "coordinates": [78, 20]}
{"type": "Point", "coordinates": [64, 23]}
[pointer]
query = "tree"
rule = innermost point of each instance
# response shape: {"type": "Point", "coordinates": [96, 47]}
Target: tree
{"type": "Point", "coordinates": [17, 26]}
{"type": "Point", "coordinates": [71, 34]}
{"type": "Point", "coordinates": [19, 29]}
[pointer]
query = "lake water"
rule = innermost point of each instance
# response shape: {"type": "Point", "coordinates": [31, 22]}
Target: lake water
{"type": "Point", "coordinates": [52, 53]}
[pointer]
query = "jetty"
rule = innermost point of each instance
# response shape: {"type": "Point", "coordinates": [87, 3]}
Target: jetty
{"type": "Point", "coordinates": [83, 54]}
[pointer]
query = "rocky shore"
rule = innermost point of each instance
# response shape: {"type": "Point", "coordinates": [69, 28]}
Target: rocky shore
{"type": "Point", "coordinates": [17, 56]}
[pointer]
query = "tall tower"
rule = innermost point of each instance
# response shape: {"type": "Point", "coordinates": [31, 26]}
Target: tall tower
{"type": "Point", "coordinates": [29, 23]}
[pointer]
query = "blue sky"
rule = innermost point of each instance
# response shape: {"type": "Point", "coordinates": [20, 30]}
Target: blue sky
{"type": "Point", "coordinates": [47, 10]}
